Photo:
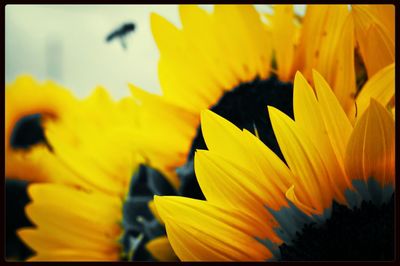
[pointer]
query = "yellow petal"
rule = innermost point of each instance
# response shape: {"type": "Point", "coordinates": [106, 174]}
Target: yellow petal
{"type": "Point", "coordinates": [343, 77]}
{"type": "Point", "coordinates": [308, 117]}
{"type": "Point", "coordinates": [231, 33]}
{"type": "Point", "coordinates": [195, 87]}
{"type": "Point", "coordinates": [198, 29]}
{"type": "Point", "coordinates": [46, 242]}
{"type": "Point", "coordinates": [153, 210]}
{"type": "Point", "coordinates": [386, 15]}
{"type": "Point", "coordinates": [283, 36]}
{"type": "Point", "coordinates": [370, 151]}
{"type": "Point", "coordinates": [276, 176]}
{"type": "Point", "coordinates": [375, 39]}
{"type": "Point", "coordinates": [223, 137]}
{"type": "Point", "coordinates": [291, 195]}
{"type": "Point", "coordinates": [82, 165]}
{"type": "Point", "coordinates": [198, 230]}
{"type": "Point", "coordinates": [161, 249]}
{"type": "Point", "coordinates": [166, 133]}
{"type": "Point", "coordinates": [336, 122]}
{"type": "Point", "coordinates": [95, 205]}
{"type": "Point", "coordinates": [327, 51]}
{"type": "Point", "coordinates": [381, 87]}
{"type": "Point", "coordinates": [226, 184]}
{"type": "Point", "coordinates": [304, 160]}
{"type": "Point", "coordinates": [259, 40]}
{"type": "Point", "coordinates": [321, 27]}
{"type": "Point", "coordinates": [243, 150]}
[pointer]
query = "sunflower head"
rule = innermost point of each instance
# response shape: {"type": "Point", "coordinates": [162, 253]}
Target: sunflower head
{"type": "Point", "coordinates": [259, 208]}
{"type": "Point", "coordinates": [29, 106]}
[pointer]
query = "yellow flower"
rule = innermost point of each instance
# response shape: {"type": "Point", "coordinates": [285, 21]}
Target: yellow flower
{"type": "Point", "coordinates": [232, 50]}
{"type": "Point", "coordinates": [27, 98]}
{"type": "Point", "coordinates": [256, 203]}
{"type": "Point", "coordinates": [375, 35]}
{"type": "Point", "coordinates": [85, 168]}
{"type": "Point", "coordinates": [64, 125]}
{"type": "Point", "coordinates": [72, 225]}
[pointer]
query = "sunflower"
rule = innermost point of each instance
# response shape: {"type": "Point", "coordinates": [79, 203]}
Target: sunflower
{"type": "Point", "coordinates": [49, 119]}
{"type": "Point", "coordinates": [84, 165]}
{"type": "Point", "coordinates": [337, 186]}
{"type": "Point", "coordinates": [231, 62]}
{"type": "Point", "coordinates": [28, 105]}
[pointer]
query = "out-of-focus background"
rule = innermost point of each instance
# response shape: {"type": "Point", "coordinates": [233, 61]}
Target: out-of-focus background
{"type": "Point", "coordinates": [67, 43]}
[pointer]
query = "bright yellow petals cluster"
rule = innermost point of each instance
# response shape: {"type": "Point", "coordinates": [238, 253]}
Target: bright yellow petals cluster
{"type": "Point", "coordinates": [240, 176]}
{"type": "Point", "coordinates": [214, 52]}
{"type": "Point", "coordinates": [77, 204]}
{"type": "Point", "coordinates": [375, 34]}
{"type": "Point", "coordinates": [340, 134]}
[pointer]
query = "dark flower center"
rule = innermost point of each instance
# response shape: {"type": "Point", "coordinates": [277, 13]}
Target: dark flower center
{"type": "Point", "coordinates": [361, 234]}
{"type": "Point", "coordinates": [28, 131]}
{"type": "Point", "coordinates": [246, 107]}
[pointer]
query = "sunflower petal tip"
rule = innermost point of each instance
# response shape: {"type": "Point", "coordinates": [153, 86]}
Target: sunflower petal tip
{"type": "Point", "coordinates": [315, 73]}
{"type": "Point", "coordinates": [154, 16]}
{"type": "Point", "coordinates": [272, 109]}
{"type": "Point", "coordinates": [207, 115]}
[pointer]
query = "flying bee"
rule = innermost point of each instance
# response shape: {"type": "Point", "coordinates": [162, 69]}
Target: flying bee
{"type": "Point", "coordinates": [121, 33]}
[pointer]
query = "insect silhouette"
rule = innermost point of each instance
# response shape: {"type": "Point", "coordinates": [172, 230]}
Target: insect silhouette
{"type": "Point", "coordinates": [121, 33]}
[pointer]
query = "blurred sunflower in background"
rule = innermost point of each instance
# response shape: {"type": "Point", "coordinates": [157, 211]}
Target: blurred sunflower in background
{"type": "Point", "coordinates": [71, 157]}
{"type": "Point", "coordinates": [236, 61]}
{"type": "Point", "coordinates": [332, 200]}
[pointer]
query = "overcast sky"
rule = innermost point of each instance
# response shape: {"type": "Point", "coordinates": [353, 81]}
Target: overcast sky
{"type": "Point", "coordinates": [66, 43]}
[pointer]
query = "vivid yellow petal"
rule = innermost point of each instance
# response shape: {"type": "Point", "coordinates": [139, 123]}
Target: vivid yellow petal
{"type": "Point", "coordinates": [161, 249]}
{"type": "Point", "coordinates": [258, 38]}
{"type": "Point", "coordinates": [322, 25]}
{"type": "Point", "coordinates": [195, 87]}
{"type": "Point", "coordinates": [85, 168]}
{"type": "Point", "coordinates": [343, 77]}
{"type": "Point", "coordinates": [97, 206]}
{"type": "Point", "coordinates": [43, 241]}
{"type": "Point", "coordinates": [375, 39]}
{"type": "Point", "coordinates": [291, 195]}
{"type": "Point", "coordinates": [196, 25]}
{"type": "Point", "coordinates": [326, 55]}
{"type": "Point", "coordinates": [276, 176]}
{"type": "Point", "coordinates": [336, 122]}
{"type": "Point", "coordinates": [98, 156]}
{"type": "Point", "coordinates": [283, 36]}
{"type": "Point", "coordinates": [153, 210]}
{"type": "Point", "coordinates": [371, 148]}
{"type": "Point", "coordinates": [168, 148]}
{"type": "Point", "coordinates": [227, 184]}
{"type": "Point", "coordinates": [230, 32]}
{"type": "Point", "coordinates": [304, 160]}
{"type": "Point", "coordinates": [308, 117]}
{"type": "Point", "coordinates": [229, 234]}
{"type": "Point", "coordinates": [380, 87]}
{"type": "Point", "coordinates": [223, 137]}
{"type": "Point", "coordinates": [386, 15]}
{"type": "Point", "coordinates": [69, 228]}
